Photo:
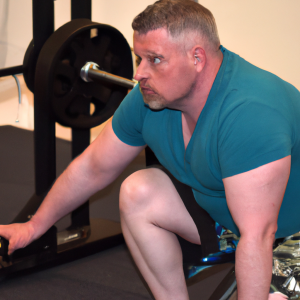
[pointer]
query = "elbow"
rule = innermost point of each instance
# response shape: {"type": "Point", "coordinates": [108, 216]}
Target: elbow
{"type": "Point", "coordinates": [263, 235]}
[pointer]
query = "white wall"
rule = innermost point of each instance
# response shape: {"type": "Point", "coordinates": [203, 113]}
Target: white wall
{"type": "Point", "coordinates": [266, 33]}
{"type": "Point", "coordinates": [16, 24]}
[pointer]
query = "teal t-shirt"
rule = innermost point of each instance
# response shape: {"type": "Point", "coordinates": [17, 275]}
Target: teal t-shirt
{"type": "Point", "coordinates": [251, 118]}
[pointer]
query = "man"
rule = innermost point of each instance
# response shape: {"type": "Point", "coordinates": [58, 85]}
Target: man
{"type": "Point", "coordinates": [223, 127]}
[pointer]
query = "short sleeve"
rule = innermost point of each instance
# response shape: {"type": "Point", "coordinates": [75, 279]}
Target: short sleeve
{"type": "Point", "coordinates": [252, 134]}
{"type": "Point", "coordinates": [128, 119]}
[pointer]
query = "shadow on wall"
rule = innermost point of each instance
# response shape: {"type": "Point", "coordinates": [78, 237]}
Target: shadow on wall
{"type": "Point", "coordinates": [3, 31]}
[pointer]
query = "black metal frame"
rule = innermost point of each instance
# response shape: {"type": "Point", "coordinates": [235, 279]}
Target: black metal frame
{"type": "Point", "coordinates": [106, 234]}
{"type": "Point", "coordinates": [80, 137]}
{"type": "Point", "coordinates": [44, 133]}
{"type": "Point", "coordinates": [44, 138]}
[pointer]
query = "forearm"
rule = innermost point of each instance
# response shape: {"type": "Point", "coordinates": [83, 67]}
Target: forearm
{"type": "Point", "coordinates": [92, 171]}
{"type": "Point", "coordinates": [77, 183]}
{"type": "Point", "coordinates": [254, 268]}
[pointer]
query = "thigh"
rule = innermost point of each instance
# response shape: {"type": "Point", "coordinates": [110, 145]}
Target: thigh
{"type": "Point", "coordinates": [193, 253]}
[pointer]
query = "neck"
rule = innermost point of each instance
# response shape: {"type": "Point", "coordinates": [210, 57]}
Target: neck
{"type": "Point", "coordinates": [193, 106]}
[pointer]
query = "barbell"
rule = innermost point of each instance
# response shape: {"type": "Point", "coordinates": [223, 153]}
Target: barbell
{"type": "Point", "coordinates": [70, 85]}
{"type": "Point", "coordinates": [90, 72]}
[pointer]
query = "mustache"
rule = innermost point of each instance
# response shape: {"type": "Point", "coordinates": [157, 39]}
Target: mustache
{"type": "Point", "coordinates": [146, 87]}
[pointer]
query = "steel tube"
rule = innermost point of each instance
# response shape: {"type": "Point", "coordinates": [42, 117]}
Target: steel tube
{"type": "Point", "coordinates": [90, 72]}
{"type": "Point", "coordinates": [81, 9]}
{"type": "Point", "coordinates": [11, 71]}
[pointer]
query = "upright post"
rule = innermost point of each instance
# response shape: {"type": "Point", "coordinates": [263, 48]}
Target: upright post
{"type": "Point", "coordinates": [44, 124]}
{"type": "Point", "coordinates": [81, 137]}
{"type": "Point", "coordinates": [81, 9]}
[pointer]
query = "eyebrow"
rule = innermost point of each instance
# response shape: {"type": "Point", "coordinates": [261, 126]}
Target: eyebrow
{"type": "Point", "coordinates": [150, 53]}
{"type": "Point", "coordinates": [154, 54]}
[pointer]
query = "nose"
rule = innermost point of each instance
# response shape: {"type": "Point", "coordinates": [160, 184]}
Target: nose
{"type": "Point", "coordinates": [141, 72]}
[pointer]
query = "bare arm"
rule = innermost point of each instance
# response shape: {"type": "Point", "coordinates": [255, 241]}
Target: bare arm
{"type": "Point", "coordinates": [254, 199]}
{"type": "Point", "coordinates": [93, 170]}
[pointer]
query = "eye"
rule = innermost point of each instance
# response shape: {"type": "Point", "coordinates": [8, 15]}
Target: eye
{"type": "Point", "coordinates": [156, 60]}
{"type": "Point", "coordinates": [138, 61]}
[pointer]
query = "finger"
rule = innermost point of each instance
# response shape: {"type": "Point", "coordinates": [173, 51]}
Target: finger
{"type": "Point", "coordinates": [4, 232]}
{"type": "Point", "coordinates": [10, 250]}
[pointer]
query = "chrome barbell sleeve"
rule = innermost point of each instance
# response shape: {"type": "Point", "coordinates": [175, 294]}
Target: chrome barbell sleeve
{"type": "Point", "coordinates": [90, 73]}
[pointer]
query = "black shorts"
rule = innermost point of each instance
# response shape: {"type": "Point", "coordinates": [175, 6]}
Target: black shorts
{"type": "Point", "coordinates": [192, 253]}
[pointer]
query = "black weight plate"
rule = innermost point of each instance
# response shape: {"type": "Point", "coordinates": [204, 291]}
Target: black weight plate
{"type": "Point", "coordinates": [58, 72]}
{"type": "Point", "coordinates": [29, 64]}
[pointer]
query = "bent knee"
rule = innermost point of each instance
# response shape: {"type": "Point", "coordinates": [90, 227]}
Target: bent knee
{"type": "Point", "coordinates": [137, 190]}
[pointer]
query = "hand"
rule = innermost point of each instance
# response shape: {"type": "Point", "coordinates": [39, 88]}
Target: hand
{"type": "Point", "coordinates": [18, 235]}
{"type": "Point", "coordinates": [277, 296]}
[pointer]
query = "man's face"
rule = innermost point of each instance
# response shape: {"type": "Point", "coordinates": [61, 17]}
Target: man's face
{"type": "Point", "coordinates": [165, 71]}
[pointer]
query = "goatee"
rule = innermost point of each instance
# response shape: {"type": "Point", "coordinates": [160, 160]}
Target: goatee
{"type": "Point", "coordinates": [155, 102]}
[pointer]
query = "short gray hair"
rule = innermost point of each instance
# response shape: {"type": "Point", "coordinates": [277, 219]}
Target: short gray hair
{"type": "Point", "coordinates": [178, 17]}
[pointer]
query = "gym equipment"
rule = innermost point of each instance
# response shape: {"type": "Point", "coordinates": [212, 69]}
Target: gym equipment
{"type": "Point", "coordinates": [286, 270]}
{"type": "Point", "coordinates": [64, 89]}
{"type": "Point", "coordinates": [90, 73]}
{"type": "Point", "coordinates": [3, 246]}
{"type": "Point", "coordinates": [59, 65]}
{"type": "Point", "coordinates": [51, 69]}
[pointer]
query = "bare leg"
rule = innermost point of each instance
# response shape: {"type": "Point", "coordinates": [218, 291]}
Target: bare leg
{"type": "Point", "coordinates": [151, 212]}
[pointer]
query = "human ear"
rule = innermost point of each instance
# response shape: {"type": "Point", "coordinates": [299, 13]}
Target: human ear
{"type": "Point", "coordinates": [199, 57]}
